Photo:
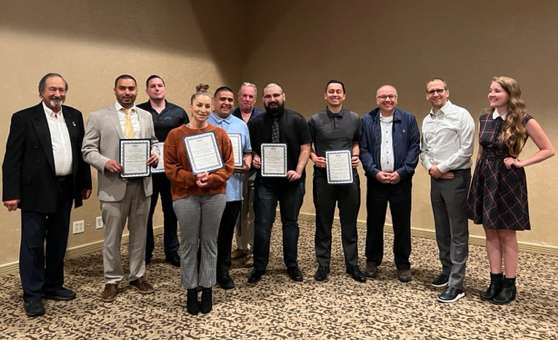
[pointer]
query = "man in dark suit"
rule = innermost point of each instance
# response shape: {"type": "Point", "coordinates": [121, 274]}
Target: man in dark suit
{"type": "Point", "coordinates": [43, 174]}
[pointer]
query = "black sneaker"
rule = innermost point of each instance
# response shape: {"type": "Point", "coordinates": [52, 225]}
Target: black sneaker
{"type": "Point", "coordinates": [225, 281]}
{"type": "Point", "coordinates": [451, 294]}
{"type": "Point", "coordinates": [441, 281]}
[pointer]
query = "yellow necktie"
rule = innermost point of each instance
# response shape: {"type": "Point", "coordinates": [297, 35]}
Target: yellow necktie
{"type": "Point", "coordinates": [129, 132]}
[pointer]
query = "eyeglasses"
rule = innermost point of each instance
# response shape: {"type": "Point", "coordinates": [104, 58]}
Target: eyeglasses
{"type": "Point", "coordinates": [438, 91]}
{"type": "Point", "coordinates": [389, 96]}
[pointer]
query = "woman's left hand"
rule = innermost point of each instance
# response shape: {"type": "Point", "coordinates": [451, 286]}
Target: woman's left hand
{"type": "Point", "coordinates": [509, 161]}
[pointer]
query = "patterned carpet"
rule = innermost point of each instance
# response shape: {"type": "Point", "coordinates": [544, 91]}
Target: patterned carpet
{"type": "Point", "coordinates": [277, 308]}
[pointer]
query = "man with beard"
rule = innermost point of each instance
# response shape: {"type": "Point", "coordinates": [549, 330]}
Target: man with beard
{"type": "Point", "coordinates": [446, 148]}
{"type": "Point", "coordinates": [221, 116]}
{"type": "Point", "coordinates": [279, 125]}
{"type": "Point", "coordinates": [43, 173]}
{"type": "Point", "coordinates": [121, 198]}
{"type": "Point", "coordinates": [335, 129]}
{"type": "Point", "coordinates": [246, 111]}
{"type": "Point", "coordinates": [389, 150]}
{"type": "Point", "coordinates": [166, 116]}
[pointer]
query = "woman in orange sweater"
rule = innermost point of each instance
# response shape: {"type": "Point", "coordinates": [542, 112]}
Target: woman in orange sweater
{"type": "Point", "coordinates": [198, 201]}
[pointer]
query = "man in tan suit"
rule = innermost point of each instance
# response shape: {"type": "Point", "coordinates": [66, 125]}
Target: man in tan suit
{"type": "Point", "coordinates": [121, 199]}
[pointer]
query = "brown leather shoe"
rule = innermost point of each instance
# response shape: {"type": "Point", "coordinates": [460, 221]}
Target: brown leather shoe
{"type": "Point", "coordinates": [238, 253]}
{"type": "Point", "coordinates": [404, 275]}
{"type": "Point", "coordinates": [110, 292]}
{"type": "Point", "coordinates": [142, 286]}
{"type": "Point", "coordinates": [249, 262]}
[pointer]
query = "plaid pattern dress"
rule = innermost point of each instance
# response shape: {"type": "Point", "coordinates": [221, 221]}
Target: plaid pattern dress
{"type": "Point", "coordinates": [498, 196]}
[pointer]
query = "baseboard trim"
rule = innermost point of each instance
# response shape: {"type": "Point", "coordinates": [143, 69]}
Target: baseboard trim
{"type": "Point", "coordinates": [473, 239]}
{"type": "Point", "coordinates": [72, 253]}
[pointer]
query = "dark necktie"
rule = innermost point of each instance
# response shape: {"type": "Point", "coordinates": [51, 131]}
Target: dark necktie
{"type": "Point", "coordinates": [275, 130]}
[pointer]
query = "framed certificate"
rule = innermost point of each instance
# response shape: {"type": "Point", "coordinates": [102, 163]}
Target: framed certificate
{"type": "Point", "coordinates": [161, 165]}
{"type": "Point", "coordinates": [203, 152]}
{"type": "Point", "coordinates": [133, 157]}
{"type": "Point", "coordinates": [338, 166]}
{"type": "Point", "coordinates": [274, 160]}
{"type": "Point", "coordinates": [236, 141]}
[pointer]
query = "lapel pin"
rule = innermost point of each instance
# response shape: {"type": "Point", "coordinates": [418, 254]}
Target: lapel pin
{"type": "Point", "coordinates": [74, 123]}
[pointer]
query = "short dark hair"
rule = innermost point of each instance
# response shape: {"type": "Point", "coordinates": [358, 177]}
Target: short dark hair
{"type": "Point", "coordinates": [333, 81]}
{"type": "Point", "coordinates": [222, 88]}
{"type": "Point", "coordinates": [42, 82]}
{"type": "Point", "coordinates": [440, 79]}
{"type": "Point", "coordinates": [125, 76]}
{"type": "Point", "coordinates": [153, 76]}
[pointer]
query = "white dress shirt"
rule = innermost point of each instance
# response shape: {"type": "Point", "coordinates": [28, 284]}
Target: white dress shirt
{"type": "Point", "coordinates": [60, 138]}
{"type": "Point", "coordinates": [386, 150]}
{"type": "Point", "coordinates": [447, 139]}
{"type": "Point", "coordinates": [133, 118]}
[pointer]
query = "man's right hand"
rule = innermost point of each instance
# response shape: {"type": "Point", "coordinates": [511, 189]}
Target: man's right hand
{"type": "Point", "coordinates": [11, 204]}
{"type": "Point", "coordinates": [383, 177]}
{"type": "Point", "coordinates": [256, 162]}
{"type": "Point", "coordinates": [113, 166]}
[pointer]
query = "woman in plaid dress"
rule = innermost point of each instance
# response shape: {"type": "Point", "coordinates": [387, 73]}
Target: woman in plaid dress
{"type": "Point", "coordinates": [498, 195]}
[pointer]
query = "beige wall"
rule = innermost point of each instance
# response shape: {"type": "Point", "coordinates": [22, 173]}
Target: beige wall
{"type": "Point", "coordinates": [405, 43]}
{"type": "Point", "coordinates": [92, 42]}
{"type": "Point", "coordinates": [300, 44]}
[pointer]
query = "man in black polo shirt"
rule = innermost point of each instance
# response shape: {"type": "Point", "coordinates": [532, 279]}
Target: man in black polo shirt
{"type": "Point", "coordinates": [279, 125]}
{"type": "Point", "coordinates": [166, 116]}
{"type": "Point", "coordinates": [334, 129]}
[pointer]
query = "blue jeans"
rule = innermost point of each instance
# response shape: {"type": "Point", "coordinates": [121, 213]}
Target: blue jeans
{"type": "Point", "coordinates": [290, 197]}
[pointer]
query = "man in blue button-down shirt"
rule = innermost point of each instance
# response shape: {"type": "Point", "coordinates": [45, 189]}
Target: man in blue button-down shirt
{"type": "Point", "coordinates": [389, 150]}
{"type": "Point", "coordinates": [223, 101]}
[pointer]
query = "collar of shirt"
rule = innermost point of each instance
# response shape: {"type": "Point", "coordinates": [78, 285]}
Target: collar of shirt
{"type": "Point", "coordinates": [338, 115]}
{"type": "Point", "coordinates": [496, 114]}
{"type": "Point", "coordinates": [443, 110]}
{"type": "Point", "coordinates": [50, 114]}
{"type": "Point", "coordinates": [220, 120]}
{"type": "Point", "coordinates": [121, 108]}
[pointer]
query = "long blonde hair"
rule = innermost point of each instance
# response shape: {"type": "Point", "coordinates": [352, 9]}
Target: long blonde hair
{"type": "Point", "coordinates": [513, 131]}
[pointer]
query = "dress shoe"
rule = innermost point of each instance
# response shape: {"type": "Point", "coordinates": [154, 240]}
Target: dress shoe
{"type": "Point", "coordinates": [321, 273]}
{"type": "Point", "coordinates": [404, 275]}
{"type": "Point", "coordinates": [192, 303]}
{"type": "Point", "coordinates": [110, 292]}
{"type": "Point", "coordinates": [507, 293]}
{"type": "Point", "coordinates": [238, 253]}
{"type": "Point", "coordinates": [294, 273]}
{"type": "Point", "coordinates": [173, 259]}
{"type": "Point", "coordinates": [142, 286]}
{"type": "Point", "coordinates": [441, 281]}
{"type": "Point", "coordinates": [494, 288]}
{"type": "Point", "coordinates": [451, 294]}
{"type": "Point", "coordinates": [249, 262]}
{"type": "Point", "coordinates": [63, 294]}
{"type": "Point", "coordinates": [206, 304]}
{"type": "Point", "coordinates": [356, 274]}
{"type": "Point", "coordinates": [256, 276]}
{"type": "Point", "coordinates": [225, 281]}
{"type": "Point", "coordinates": [371, 269]}
{"type": "Point", "coordinates": [34, 308]}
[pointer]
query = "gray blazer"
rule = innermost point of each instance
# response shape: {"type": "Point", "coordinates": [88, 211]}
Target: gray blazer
{"type": "Point", "coordinates": [101, 144]}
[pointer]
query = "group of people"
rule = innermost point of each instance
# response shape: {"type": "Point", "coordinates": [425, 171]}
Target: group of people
{"type": "Point", "coordinates": [48, 153]}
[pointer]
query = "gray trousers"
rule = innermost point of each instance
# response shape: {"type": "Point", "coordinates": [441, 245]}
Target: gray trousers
{"type": "Point", "coordinates": [134, 207]}
{"type": "Point", "coordinates": [198, 218]}
{"type": "Point", "coordinates": [246, 220]}
{"type": "Point", "coordinates": [449, 199]}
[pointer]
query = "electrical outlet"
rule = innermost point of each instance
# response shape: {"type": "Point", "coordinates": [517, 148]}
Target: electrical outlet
{"type": "Point", "coordinates": [79, 227]}
{"type": "Point", "coordinates": [98, 222]}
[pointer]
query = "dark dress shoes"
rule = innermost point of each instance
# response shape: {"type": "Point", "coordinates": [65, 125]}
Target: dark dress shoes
{"type": "Point", "coordinates": [225, 281]}
{"type": "Point", "coordinates": [294, 273]}
{"type": "Point", "coordinates": [62, 294]}
{"type": "Point", "coordinates": [34, 308]}
{"type": "Point", "coordinates": [173, 259]}
{"type": "Point", "coordinates": [321, 273]}
{"type": "Point", "coordinates": [256, 276]}
{"type": "Point", "coordinates": [356, 274]}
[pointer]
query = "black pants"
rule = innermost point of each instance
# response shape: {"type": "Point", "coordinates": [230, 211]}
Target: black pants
{"type": "Point", "coordinates": [226, 232]}
{"type": "Point", "coordinates": [161, 185]}
{"type": "Point", "coordinates": [399, 197]}
{"type": "Point", "coordinates": [347, 196]}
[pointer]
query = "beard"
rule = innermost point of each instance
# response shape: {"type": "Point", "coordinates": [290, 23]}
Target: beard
{"type": "Point", "coordinates": [56, 102]}
{"type": "Point", "coordinates": [276, 109]}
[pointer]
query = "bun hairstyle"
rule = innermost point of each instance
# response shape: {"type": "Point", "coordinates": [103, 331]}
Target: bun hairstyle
{"type": "Point", "coordinates": [513, 132]}
{"type": "Point", "coordinates": [201, 90]}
